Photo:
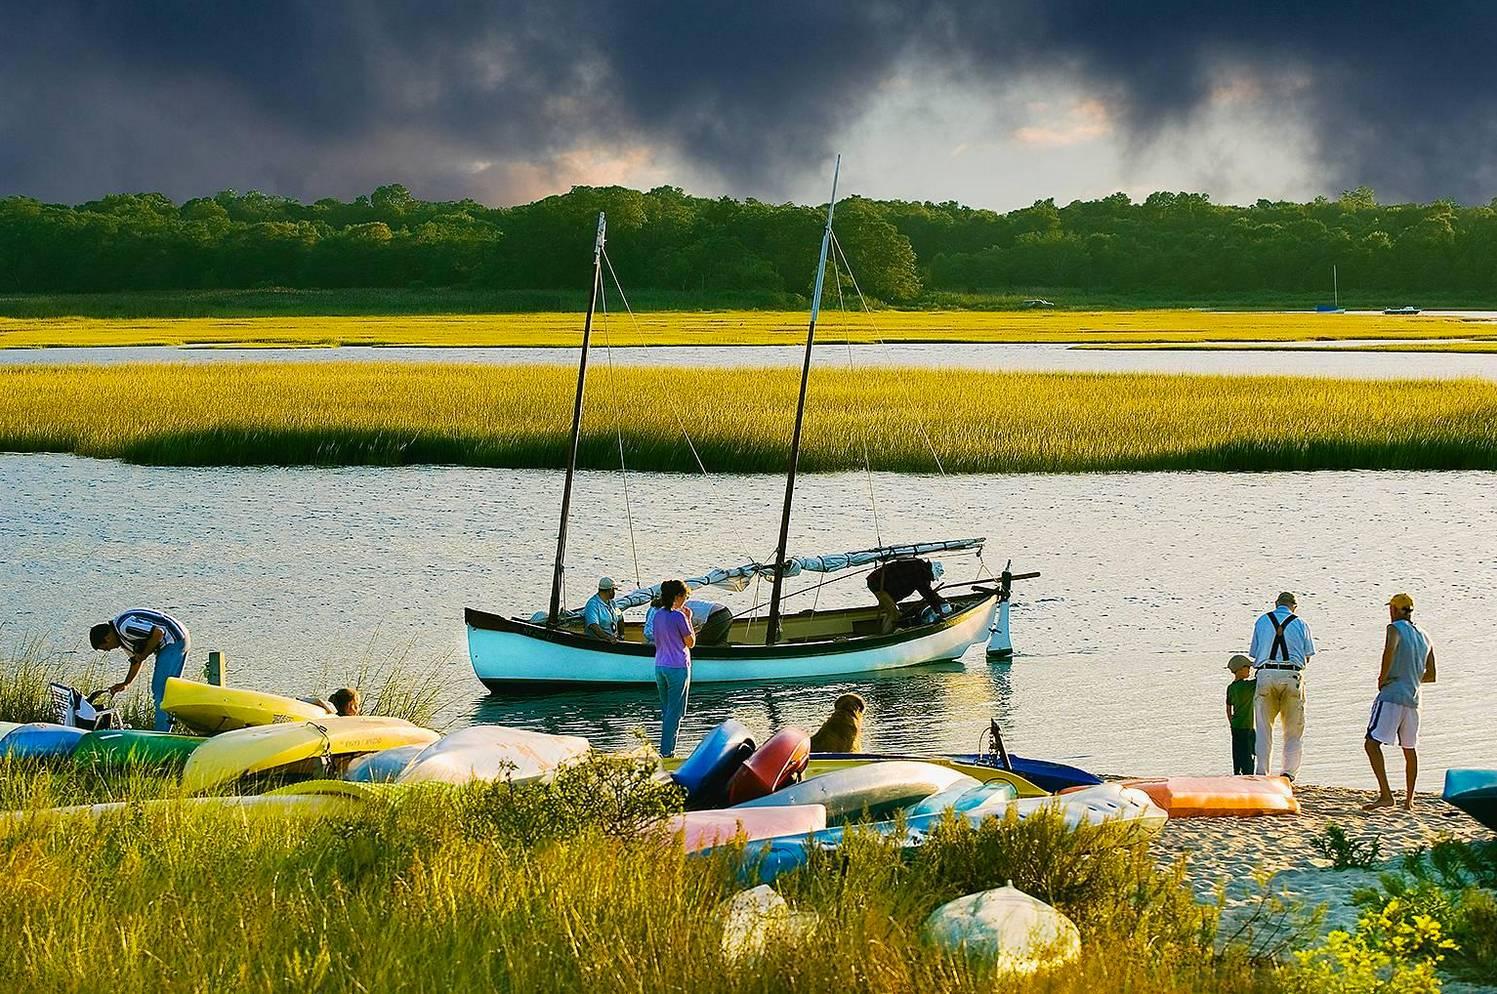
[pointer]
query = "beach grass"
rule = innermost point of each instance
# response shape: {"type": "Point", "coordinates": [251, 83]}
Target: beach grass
{"type": "Point", "coordinates": [544, 888]}
{"type": "Point", "coordinates": [734, 327]}
{"type": "Point", "coordinates": [739, 419]}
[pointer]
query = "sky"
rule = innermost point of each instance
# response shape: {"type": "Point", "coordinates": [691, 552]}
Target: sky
{"type": "Point", "coordinates": [995, 104]}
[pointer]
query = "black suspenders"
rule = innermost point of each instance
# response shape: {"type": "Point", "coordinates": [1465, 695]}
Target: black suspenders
{"type": "Point", "coordinates": [1279, 645]}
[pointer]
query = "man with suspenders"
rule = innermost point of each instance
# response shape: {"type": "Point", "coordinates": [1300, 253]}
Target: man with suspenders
{"type": "Point", "coordinates": [1281, 648]}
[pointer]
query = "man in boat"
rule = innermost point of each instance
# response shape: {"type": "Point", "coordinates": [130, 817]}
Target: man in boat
{"type": "Point", "coordinates": [1408, 662]}
{"type": "Point", "coordinates": [600, 619]}
{"type": "Point", "coordinates": [1281, 649]}
{"type": "Point", "coordinates": [899, 578]}
{"type": "Point", "coordinates": [143, 632]}
{"type": "Point", "coordinates": [710, 620]}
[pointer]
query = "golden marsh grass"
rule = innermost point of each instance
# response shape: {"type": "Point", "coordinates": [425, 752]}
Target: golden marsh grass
{"type": "Point", "coordinates": [1141, 327]}
{"type": "Point", "coordinates": [739, 419]}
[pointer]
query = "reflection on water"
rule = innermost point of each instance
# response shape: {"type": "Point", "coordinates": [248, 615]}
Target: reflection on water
{"type": "Point", "coordinates": [1150, 582]}
{"type": "Point", "coordinates": [991, 356]}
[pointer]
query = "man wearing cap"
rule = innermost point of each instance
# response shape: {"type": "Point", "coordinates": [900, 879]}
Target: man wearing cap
{"type": "Point", "coordinates": [1281, 649]}
{"type": "Point", "coordinates": [600, 619]}
{"type": "Point", "coordinates": [1408, 662]}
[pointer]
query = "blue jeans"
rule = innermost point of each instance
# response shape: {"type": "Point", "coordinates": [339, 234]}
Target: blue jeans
{"type": "Point", "coordinates": [674, 684]}
{"type": "Point", "coordinates": [169, 662]}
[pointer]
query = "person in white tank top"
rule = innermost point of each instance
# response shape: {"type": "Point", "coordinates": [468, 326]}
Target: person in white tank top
{"type": "Point", "coordinates": [1408, 663]}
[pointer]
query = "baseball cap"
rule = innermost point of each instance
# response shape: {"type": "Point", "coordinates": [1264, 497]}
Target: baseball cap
{"type": "Point", "coordinates": [1238, 661]}
{"type": "Point", "coordinates": [605, 583]}
{"type": "Point", "coordinates": [1401, 601]}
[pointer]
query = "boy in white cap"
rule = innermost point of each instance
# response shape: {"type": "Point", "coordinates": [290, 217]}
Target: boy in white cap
{"type": "Point", "coordinates": [600, 618]}
{"type": "Point", "coordinates": [1408, 662]}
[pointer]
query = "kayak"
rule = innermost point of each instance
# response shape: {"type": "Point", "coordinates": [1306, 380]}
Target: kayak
{"type": "Point", "coordinates": [1046, 776]}
{"type": "Point", "coordinates": [40, 740]}
{"type": "Point", "coordinates": [6, 727]}
{"type": "Point", "coordinates": [704, 775]}
{"type": "Point", "coordinates": [982, 774]}
{"type": "Point", "coordinates": [705, 829]}
{"type": "Point", "coordinates": [314, 806]}
{"type": "Point", "coordinates": [963, 799]}
{"type": "Point", "coordinates": [1135, 819]}
{"type": "Point", "coordinates": [384, 766]}
{"type": "Point", "coordinates": [230, 755]}
{"type": "Point", "coordinates": [775, 764]}
{"type": "Point", "coordinates": [1474, 792]}
{"type": "Point", "coordinates": [210, 709]}
{"type": "Point", "coordinates": [876, 788]}
{"type": "Point", "coordinates": [134, 747]}
{"type": "Point", "coordinates": [494, 752]}
{"type": "Point", "coordinates": [1217, 797]}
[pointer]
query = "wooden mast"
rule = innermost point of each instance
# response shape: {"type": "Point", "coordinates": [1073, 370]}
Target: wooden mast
{"type": "Point", "coordinates": [772, 629]}
{"type": "Point", "coordinates": [566, 492]}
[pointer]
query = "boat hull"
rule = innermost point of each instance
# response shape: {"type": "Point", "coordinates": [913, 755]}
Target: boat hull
{"type": "Point", "coordinates": [507, 653]}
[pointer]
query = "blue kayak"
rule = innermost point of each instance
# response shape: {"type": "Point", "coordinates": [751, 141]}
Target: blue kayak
{"type": "Point", "coordinates": [41, 740]}
{"type": "Point", "coordinates": [1043, 774]}
{"type": "Point", "coordinates": [704, 775]}
{"type": "Point", "coordinates": [384, 766]}
{"type": "Point", "coordinates": [1474, 792]}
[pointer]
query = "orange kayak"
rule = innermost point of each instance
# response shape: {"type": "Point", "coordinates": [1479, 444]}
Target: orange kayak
{"type": "Point", "coordinates": [1218, 797]}
{"type": "Point", "coordinates": [705, 829]}
{"type": "Point", "coordinates": [773, 765]}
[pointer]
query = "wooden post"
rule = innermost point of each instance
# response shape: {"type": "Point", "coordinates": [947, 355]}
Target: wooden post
{"type": "Point", "coordinates": [216, 669]}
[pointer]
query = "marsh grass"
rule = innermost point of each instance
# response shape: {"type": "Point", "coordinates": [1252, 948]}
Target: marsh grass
{"type": "Point", "coordinates": [562, 887]}
{"type": "Point", "coordinates": [393, 679]}
{"type": "Point", "coordinates": [734, 327]}
{"type": "Point", "coordinates": [739, 419]}
{"type": "Point", "coordinates": [30, 663]}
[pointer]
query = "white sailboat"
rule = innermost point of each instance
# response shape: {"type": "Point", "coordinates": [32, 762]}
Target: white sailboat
{"type": "Point", "coordinates": [551, 648]}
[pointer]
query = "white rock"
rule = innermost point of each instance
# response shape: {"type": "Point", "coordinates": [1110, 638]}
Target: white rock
{"type": "Point", "coordinates": [1020, 933]}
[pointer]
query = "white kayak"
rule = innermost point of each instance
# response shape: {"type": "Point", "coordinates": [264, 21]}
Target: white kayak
{"type": "Point", "coordinates": [877, 788]}
{"type": "Point", "coordinates": [1137, 817]}
{"type": "Point", "coordinates": [494, 752]}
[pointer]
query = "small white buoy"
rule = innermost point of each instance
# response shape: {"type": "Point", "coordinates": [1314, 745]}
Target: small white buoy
{"type": "Point", "coordinates": [1021, 934]}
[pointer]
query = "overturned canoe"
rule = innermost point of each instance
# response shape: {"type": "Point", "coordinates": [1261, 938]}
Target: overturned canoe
{"type": "Point", "coordinates": [231, 755]}
{"type": "Point", "coordinates": [704, 775]}
{"type": "Point", "coordinates": [1217, 797]}
{"type": "Point", "coordinates": [1474, 792]}
{"type": "Point", "coordinates": [773, 765]}
{"type": "Point", "coordinates": [384, 766]}
{"type": "Point", "coordinates": [209, 709]}
{"type": "Point", "coordinates": [705, 829]}
{"type": "Point", "coordinates": [494, 752]}
{"type": "Point", "coordinates": [40, 740]}
{"type": "Point", "coordinates": [875, 789]}
{"type": "Point", "coordinates": [135, 747]}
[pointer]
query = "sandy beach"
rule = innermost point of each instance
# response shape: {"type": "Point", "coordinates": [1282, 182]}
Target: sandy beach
{"type": "Point", "coordinates": [1238, 853]}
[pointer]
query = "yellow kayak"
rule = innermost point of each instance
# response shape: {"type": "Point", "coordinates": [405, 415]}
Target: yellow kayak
{"type": "Point", "coordinates": [208, 709]}
{"type": "Point", "coordinates": [231, 755]}
{"type": "Point", "coordinates": [244, 808]}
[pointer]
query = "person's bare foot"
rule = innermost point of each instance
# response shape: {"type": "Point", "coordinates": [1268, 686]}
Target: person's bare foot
{"type": "Point", "coordinates": [1379, 804]}
{"type": "Point", "coordinates": [1408, 804]}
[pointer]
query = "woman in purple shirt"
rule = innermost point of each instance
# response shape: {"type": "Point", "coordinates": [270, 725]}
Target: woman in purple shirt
{"type": "Point", "coordinates": [673, 643]}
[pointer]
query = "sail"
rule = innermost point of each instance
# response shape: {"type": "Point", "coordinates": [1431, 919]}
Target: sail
{"type": "Point", "coordinates": [738, 577]}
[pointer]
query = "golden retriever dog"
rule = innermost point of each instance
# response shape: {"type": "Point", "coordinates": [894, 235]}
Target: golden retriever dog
{"type": "Point", "coordinates": [843, 730]}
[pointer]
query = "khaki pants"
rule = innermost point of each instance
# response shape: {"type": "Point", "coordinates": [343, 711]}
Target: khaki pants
{"type": "Point", "coordinates": [1281, 694]}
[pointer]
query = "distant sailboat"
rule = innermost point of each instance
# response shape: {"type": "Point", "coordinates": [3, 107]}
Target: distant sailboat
{"type": "Point", "coordinates": [1335, 306]}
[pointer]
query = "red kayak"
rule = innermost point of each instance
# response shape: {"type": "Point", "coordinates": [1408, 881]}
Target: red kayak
{"type": "Point", "coordinates": [777, 763]}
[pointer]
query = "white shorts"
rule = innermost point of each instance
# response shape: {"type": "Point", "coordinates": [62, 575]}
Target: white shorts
{"type": "Point", "coordinates": [1392, 723]}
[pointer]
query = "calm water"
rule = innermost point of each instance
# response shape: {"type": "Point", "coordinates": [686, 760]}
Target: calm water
{"type": "Point", "coordinates": [1056, 358]}
{"type": "Point", "coordinates": [1150, 581]}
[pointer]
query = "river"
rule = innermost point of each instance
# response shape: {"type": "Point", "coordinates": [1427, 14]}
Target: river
{"type": "Point", "coordinates": [1150, 581]}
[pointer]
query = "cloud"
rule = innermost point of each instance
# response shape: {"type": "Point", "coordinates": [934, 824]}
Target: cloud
{"type": "Point", "coordinates": [335, 96]}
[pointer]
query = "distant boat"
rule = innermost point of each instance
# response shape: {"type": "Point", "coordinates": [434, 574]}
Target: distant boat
{"type": "Point", "coordinates": [1405, 309]}
{"type": "Point", "coordinates": [1034, 302]}
{"type": "Point", "coordinates": [1334, 307]}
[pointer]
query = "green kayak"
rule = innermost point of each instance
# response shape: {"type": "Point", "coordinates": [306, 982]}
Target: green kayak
{"type": "Point", "coordinates": [134, 747]}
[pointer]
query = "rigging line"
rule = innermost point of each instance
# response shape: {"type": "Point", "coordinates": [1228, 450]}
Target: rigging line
{"type": "Point", "coordinates": [863, 425]}
{"type": "Point", "coordinates": [879, 338]}
{"type": "Point", "coordinates": [618, 427]}
{"type": "Point", "coordinates": [675, 411]}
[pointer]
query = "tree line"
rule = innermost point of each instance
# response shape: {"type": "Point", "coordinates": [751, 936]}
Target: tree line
{"type": "Point", "coordinates": [664, 239]}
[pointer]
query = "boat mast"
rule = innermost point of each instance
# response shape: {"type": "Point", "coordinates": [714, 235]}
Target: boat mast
{"type": "Point", "coordinates": [1335, 288]}
{"type": "Point", "coordinates": [566, 491]}
{"type": "Point", "coordinates": [772, 631]}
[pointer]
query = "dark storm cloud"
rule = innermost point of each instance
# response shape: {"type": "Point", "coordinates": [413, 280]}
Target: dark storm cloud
{"type": "Point", "coordinates": [330, 97]}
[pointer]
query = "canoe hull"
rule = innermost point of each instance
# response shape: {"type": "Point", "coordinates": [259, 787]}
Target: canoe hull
{"type": "Point", "coordinates": [507, 653]}
{"type": "Point", "coordinates": [1474, 792]}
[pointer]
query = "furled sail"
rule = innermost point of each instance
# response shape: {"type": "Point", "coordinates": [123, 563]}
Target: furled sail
{"type": "Point", "coordinates": [738, 577]}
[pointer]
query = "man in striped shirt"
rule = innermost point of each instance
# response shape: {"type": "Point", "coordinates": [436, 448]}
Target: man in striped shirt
{"type": "Point", "coordinates": [142, 632]}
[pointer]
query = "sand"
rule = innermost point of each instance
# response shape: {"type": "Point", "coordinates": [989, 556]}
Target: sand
{"type": "Point", "coordinates": [1238, 853]}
